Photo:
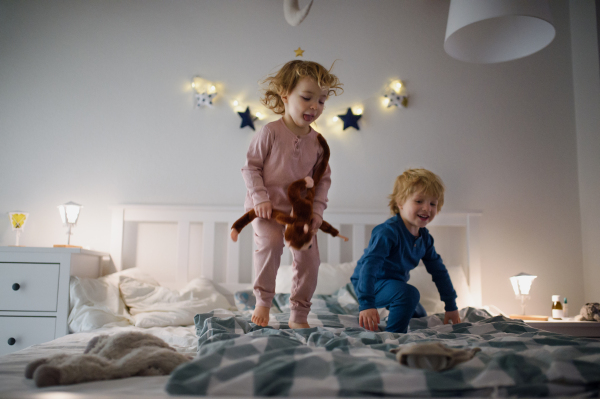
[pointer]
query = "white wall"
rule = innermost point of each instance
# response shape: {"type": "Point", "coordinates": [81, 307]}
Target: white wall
{"type": "Point", "coordinates": [586, 82]}
{"type": "Point", "coordinates": [96, 108]}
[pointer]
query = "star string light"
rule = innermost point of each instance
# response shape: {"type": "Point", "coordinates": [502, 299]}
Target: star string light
{"type": "Point", "coordinates": [299, 52]}
{"type": "Point", "coordinates": [350, 119]}
{"type": "Point", "coordinates": [247, 118]}
{"type": "Point", "coordinates": [205, 99]}
{"type": "Point", "coordinates": [395, 95]}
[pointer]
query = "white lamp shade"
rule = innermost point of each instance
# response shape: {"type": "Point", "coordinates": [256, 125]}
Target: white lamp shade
{"type": "Point", "coordinates": [489, 31]}
{"type": "Point", "coordinates": [522, 283]}
{"type": "Point", "coordinates": [69, 212]}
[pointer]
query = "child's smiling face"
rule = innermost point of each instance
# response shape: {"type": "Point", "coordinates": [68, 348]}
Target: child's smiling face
{"type": "Point", "coordinates": [418, 210]}
{"type": "Point", "coordinates": [303, 105]}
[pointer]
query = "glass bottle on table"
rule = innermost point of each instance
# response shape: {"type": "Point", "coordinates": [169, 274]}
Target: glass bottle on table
{"type": "Point", "coordinates": [557, 309]}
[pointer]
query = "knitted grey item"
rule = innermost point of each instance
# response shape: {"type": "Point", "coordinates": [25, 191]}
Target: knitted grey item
{"type": "Point", "coordinates": [432, 356]}
{"type": "Point", "coordinates": [108, 357]}
{"type": "Point", "coordinates": [589, 312]}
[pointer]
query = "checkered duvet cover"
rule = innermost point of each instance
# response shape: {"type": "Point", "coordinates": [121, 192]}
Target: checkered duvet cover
{"type": "Point", "coordinates": [338, 358]}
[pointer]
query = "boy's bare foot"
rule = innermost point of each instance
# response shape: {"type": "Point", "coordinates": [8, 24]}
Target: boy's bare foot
{"type": "Point", "coordinates": [295, 325]}
{"type": "Point", "coordinates": [260, 316]}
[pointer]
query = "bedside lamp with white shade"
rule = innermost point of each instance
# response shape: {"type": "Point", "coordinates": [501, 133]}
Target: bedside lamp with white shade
{"type": "Point", "coordinates": [69, 213]}
{"type": "Point", "coordinates": [521, 284]}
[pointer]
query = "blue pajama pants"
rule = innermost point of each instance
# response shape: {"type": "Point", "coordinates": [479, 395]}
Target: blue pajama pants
{"type": "Point", "coordinates": [402, 300]}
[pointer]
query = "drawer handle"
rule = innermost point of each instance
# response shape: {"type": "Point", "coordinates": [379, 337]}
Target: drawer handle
{"type": "Point", "coordinates": [16, 287]}
{"type": "Point", "coordinates": [12, 341]}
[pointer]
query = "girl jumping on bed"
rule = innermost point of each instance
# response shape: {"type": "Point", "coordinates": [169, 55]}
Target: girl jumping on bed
{"type": "Point", "coordinates": [280, 153]}
{"type": "Point", "coordinates": [396, 247]}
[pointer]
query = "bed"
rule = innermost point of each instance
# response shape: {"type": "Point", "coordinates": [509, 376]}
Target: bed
{"type": "Point", "coordinates": [196, 287]}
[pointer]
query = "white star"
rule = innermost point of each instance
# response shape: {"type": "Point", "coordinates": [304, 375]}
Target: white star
{"type": "Point", "coordinates": [205, 99]}
{"type": "Point", "coordinates": [396, 99]}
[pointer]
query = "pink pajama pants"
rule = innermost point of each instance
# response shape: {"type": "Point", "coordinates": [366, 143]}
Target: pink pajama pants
{"type": "Point", "coordinates": [268, 235]}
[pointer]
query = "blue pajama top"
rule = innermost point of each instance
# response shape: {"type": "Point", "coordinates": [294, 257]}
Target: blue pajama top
{"type": "Point", "coordinates": [392, 253]}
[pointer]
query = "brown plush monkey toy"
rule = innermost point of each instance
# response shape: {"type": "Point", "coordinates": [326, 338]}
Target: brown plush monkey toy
{"type": "Point", "coordinates": [297, 225]}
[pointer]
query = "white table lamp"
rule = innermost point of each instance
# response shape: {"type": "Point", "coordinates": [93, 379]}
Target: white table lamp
{"type": "Point", "coordinates": [521, 285]}
{"type": "Point", "coordinates": [69, 213]}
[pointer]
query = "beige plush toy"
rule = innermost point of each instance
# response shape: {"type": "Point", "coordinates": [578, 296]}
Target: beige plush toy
{"type": "Point", "coordinates": [297, 233]}
{"type": "Point", "coordinates": [589, 312]}
{"type": "Point", "coordinates": [108, 357]}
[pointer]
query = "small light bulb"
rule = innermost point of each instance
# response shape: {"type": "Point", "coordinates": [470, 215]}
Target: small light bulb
{"type": "Point", "coordinates": [235, 103]}
{"type": "Point", "coordinates": [335, 119]}
{"type": "Point", "coordinates": [358, 111]}
{"type": "Point", "coordinates": [258, 115]}
{"type": "Point", "coordinates": [398, 85]}
{"type": "Point", "coordinates": [385, 102]}
{"type": "Point", "coordinates": [193, 84]}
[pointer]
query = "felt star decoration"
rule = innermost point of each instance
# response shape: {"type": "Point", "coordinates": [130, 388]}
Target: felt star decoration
{"type": "Point", "coordinates": [299, 52]}
{"type": "Point", "coordinates": [396, 99]}
{"type": "Point", "coordinates": [204, 99]}
{"type": "Point", "coordinates": [247, 119]}
{"type": "Point", "coordinates": [350, 120]}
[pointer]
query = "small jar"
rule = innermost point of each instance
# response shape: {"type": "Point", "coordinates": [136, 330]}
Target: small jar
{"type": "Point", "coordinates": [557, 309]}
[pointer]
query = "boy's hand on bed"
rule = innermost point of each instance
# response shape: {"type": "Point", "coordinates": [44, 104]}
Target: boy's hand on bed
{"type": "Point", "coordinates": [369, 319]}
{"type": "Point", "coordinates": [452, 316]}
{"type": "Point", "coordinates": [264, 210]}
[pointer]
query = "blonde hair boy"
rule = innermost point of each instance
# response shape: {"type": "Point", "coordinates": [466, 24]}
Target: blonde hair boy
{"type": "Point", "coordinates": [413, 181]}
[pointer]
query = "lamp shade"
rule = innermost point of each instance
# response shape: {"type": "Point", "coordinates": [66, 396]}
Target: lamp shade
{"type": "Point", "coordinates": [522, 283]}
{"type": "Point", "coordinates": [69, 212]}
{"type": "Point", "coordinates": [489, 31]}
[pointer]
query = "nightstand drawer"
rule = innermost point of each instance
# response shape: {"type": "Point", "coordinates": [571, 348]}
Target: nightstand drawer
{"type": "Point", "coordinates": [29, 286]}
{"type": "Point", "coordinates": [20, 332]}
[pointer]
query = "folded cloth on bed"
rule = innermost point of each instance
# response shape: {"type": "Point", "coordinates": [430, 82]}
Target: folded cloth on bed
{"type": "Point", "coordinates": [432, 356]}
{"type": "Point", "coordinates": [108, 357]}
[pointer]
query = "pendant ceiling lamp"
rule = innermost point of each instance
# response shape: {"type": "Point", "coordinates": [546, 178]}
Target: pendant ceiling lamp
{"type": "Point", "coordinates": [489, 31]}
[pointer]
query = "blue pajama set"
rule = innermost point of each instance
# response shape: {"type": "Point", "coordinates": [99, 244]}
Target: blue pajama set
{"type": "Point", "coordinates": [382, 273]}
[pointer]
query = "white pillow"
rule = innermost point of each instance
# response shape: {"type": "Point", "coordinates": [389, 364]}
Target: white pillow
{"type": "Point", "coordinates": [96, 302]}
{"type": "Point", "coordinates": [151, 305]}
{"type": "Point", "coordinates": [430, 297]}
{"type": "Point", "coordinates": [330, 279]}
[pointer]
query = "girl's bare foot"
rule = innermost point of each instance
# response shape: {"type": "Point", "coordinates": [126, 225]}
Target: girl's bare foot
{"type": "Point", "coordinates": [260, 316]}
{"type": "Point", "coordinates": [295, 325]}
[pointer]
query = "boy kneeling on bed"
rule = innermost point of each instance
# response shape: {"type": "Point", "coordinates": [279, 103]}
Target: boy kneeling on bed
{"type": "Point", "coordinates": [396, 247]}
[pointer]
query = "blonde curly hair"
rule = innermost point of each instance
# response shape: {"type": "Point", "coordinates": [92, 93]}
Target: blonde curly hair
{"type": "Point", "coordinates": [416, 180]}
{"type": "Point", "coordinates": [286, 79]}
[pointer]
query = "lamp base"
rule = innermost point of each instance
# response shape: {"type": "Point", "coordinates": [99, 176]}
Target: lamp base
{"type": "Point", "coordinates": [66, 246]}
{"type": "Point", "coordinates": [526, 317]}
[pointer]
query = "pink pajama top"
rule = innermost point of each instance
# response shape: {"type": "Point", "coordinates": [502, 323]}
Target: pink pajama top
{"type": "Point", "coordinates": [276, 158]}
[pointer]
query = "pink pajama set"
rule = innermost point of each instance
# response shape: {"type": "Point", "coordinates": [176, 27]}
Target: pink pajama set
{"type": "Point", "coordinates": [276, 158]}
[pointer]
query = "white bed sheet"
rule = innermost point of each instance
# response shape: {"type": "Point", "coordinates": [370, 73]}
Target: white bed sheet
{"type": "Point", "coordinates": [12, 366]}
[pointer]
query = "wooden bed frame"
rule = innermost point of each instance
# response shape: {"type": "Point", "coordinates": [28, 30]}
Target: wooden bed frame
{"type": "Point", "coordinates": [216, 222]}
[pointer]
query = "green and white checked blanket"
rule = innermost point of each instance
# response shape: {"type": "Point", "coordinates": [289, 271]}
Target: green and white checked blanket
{"type": "Point", "coordinates": [338, 358]}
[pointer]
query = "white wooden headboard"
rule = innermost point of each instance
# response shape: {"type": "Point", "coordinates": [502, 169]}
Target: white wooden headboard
{"type": "Point", "coordinates": [196, 240]}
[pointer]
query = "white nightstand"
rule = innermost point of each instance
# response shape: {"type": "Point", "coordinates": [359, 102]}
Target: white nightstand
{"type": "Point", "coordinates": [34, 291]}
{"type": "Point", "coordinates": [589, 329]}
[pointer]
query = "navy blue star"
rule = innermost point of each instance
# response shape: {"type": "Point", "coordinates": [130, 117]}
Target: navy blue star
{"type": "Point", "coordinates": [247, 118]}
{"type": "Point", "coordinates": [350, 120]}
